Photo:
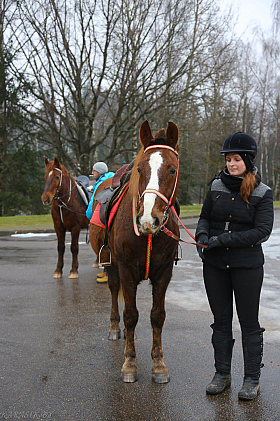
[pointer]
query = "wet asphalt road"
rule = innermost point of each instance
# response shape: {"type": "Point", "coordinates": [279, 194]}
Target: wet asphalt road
{"type": "Point", "coordinates": [57, 364]}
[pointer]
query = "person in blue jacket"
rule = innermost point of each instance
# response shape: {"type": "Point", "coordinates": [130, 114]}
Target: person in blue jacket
{"type": "Point", "coordinates": [100, 173]}
{"type": "Point", "coordinates": [236, 218]}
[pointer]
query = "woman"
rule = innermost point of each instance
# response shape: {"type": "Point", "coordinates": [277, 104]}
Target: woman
{"type": "Point", "coordinates": [237, 216]}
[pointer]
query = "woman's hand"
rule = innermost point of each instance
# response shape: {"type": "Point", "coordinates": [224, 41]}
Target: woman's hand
{"type": "Point", "coordinates": [214, 242]}
{"type": "Point", "coordinates": [203, 240]}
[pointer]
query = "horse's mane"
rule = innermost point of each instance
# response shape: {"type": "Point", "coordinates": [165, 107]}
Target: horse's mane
{"type": "Point", "coordinates": [134, 179]}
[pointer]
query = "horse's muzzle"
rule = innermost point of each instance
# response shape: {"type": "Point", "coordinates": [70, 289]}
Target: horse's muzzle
{"type": "Point", "coordinates": [148, 228]}
{"type": "Point", "coordinates": [46, 199]}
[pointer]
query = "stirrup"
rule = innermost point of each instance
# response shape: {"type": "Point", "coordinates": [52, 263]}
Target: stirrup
{"type": "Point", "coordinates": [178, 255]}
{"type": "Point", "coordinates": [100, 264]}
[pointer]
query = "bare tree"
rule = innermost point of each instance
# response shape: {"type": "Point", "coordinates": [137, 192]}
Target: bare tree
{"type": "Point", "coordinates": [97, 69]}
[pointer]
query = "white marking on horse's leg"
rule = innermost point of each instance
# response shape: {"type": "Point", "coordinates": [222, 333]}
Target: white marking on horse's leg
{"type": "Point", "coordinates": [149, 198]}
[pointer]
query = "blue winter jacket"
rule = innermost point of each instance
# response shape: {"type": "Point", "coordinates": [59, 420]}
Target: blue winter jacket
{"type": "Point", "coordinates": [102, 178]}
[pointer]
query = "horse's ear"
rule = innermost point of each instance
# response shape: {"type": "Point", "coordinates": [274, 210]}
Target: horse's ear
{"type": "Point", "coordinates": [145, 134]}
{"type": "Point", "coordinates": [172, 133]}
{"type": "Point", "coordinates": [56, 162]}
{"type": "Point", "coordinates": [46, 161]}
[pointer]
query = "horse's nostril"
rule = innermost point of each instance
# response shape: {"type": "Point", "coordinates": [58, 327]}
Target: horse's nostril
{"type": "Point", "coordinates": [45, 200]}
{"type": "Point", "coordinates": [156, 222]}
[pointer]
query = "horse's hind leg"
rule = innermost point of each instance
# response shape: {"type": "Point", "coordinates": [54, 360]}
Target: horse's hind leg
{"type": "Point", "coordinates": [60, 233]}
{"type": "Point", "coordinates": [74, 250]}
{"type": "Point", "coordinates": [159, 370]}
{"type": "Point", "coordinates": [114, 286]}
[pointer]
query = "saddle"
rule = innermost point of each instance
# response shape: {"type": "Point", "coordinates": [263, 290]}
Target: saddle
{"type": "Point", "coordinates": [107, 198]}
{"type": "Point", "coordinates": [84, 190]}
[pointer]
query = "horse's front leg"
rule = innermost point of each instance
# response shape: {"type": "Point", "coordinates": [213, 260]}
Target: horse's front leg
{"type": "Point", "coordinates": [60, 233]}
{"type": "Point", "coordinates": [114, 286]}
{"type": "Point", "coordinates": [74, 250]}
{"type": "Point", "coordinates": [130, 318]}
{"type": "Point", "coordinates": [159, 370]}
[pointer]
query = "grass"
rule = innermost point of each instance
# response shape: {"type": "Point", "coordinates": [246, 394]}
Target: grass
{"type": "Point", "coordinates": [191, 210]}
{"type": "Point", "coordinates": [28, 220]}
{"type": "Point", "coordinates": [33, 220]}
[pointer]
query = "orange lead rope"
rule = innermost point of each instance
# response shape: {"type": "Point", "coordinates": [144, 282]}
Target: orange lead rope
{"type": "Point", "coordinates": [148, 256]}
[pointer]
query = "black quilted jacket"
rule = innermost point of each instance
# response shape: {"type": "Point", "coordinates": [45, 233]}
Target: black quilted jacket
{"type": "Point", "coordinates": [244, 226]}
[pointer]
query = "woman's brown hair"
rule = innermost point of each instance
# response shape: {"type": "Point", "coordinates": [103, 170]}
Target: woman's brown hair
{"type": "Point", "coordinates": [247, 186]}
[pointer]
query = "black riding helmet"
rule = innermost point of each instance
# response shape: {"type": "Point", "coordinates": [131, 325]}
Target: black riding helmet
{"type": "Point", "coordinates": [243, 144]}
{"type": "Point", "coordinates": [240, 142]}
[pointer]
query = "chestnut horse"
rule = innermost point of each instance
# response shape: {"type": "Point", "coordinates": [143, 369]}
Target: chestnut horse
{"type": "Point", "coordinates": [67, 212]}
{"type": "Point", "coordinates": [138, 246]}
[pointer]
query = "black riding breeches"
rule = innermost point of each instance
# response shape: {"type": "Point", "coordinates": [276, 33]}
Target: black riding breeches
{"type": "Point", "coordinates": [245, 284]}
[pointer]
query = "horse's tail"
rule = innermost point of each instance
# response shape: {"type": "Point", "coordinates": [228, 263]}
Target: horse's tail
{"type": "Point", "coordinates": [120, 295]}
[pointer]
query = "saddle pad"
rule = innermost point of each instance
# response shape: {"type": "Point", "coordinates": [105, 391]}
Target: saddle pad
{"type": "Point", "coordinates": [83, 195]}
{"type": "Point", "coordinates": [115, 207]}
{"type": "Point", "coordinates": [95, 220]}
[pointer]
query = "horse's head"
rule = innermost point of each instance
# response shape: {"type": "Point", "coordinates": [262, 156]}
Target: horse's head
{"type": "Point", "coordinates": [158, 176]}
{"type": "Point", "coordinates": [53, 179]}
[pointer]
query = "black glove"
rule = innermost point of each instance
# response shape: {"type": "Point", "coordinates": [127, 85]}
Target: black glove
{"type": "Point", "coordinates": [214, 242]}
{"type": "Point", "coordinates": [201, 239]}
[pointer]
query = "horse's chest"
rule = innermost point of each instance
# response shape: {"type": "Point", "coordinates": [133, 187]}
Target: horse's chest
{"type": "Point", "coordinates": [137, 252]}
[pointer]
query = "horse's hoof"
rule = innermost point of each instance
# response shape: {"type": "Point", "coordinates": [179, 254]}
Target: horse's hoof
{"type": "Point", "coordinates": [57, 275]}
{"type": "Point", "coordinates": [160, 378]}
{"type": "Point", "coordinates": [129, 377]}
{"type": "Point", "coordinates": [95, 265]}
{"type": "Point", "coordinates": [114, 335]}
{"type": "Point", "coordinates": [73, 275]}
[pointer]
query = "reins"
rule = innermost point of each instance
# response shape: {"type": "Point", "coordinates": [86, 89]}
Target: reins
{"type": "Point", "coordinates": [170, 233]}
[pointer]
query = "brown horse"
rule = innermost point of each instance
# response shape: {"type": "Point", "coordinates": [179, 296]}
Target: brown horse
{"type": "Point", "coordinates": [136, 233]}
{"type": "Point", "coordinates": [67, 212]}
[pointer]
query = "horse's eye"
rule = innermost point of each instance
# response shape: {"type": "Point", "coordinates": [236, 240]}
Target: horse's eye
{"type": "Point", "coordinates": [172, 171]}
{"type": "Point", "coordinates": [57, 177]}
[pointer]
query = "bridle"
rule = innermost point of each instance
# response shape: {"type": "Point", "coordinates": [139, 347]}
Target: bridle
{"type": "Point", "coordinates": [56, 196]}
{"type": "Point", "coordinates": [165, 215]}
{"type": "Point", "coordinates": [156, 192]}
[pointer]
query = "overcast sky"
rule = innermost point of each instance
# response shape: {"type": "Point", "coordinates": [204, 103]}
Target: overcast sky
{"type": "Point", "coordinates": [251, 13]}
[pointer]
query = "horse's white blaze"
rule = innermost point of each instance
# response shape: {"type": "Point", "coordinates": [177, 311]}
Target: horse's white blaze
{"type": "Point", "coordinates": [149, 198]}
{"type": "Point", "coordinates": [50, 173]}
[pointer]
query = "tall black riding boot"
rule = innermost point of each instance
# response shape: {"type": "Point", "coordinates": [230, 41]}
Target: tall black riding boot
{"type": "Point", "coordinates": [252, 351]}
{"type": "Point", "coordinates": [223, 345]}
